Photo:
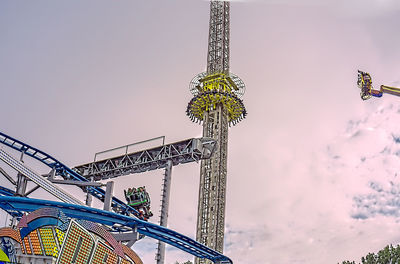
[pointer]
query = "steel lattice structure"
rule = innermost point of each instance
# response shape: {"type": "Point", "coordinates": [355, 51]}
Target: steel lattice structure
{"type": "Point", "coordinates": [181, 152]}
{"type": "Point", "coordinates": [217, 104]}
{"type": "Point", "coordinates": [218, 38]}
{"type": "Point", "coordinates": [120, 223]}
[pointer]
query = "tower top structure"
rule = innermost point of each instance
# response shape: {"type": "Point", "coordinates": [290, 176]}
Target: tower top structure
{"type": "Point", "coordinates": [218, 38]}
{"type": "Point", "coordinates": [217, 85]}
{"type": "Point", "coordinates": [217, 104]}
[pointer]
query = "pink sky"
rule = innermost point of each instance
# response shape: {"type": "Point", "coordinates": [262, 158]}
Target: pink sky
{"type": "Point", "coordinates": [79, 77]}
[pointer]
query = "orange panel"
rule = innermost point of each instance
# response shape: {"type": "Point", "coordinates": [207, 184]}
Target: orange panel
{"type": "Point", "coordinates": [34, 237]}
{"type": "Point", "coordinates": [27, 245]}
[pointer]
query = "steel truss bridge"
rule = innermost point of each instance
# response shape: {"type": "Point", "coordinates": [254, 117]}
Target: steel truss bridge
{"type": "Point", "coordinates": [156, 158]}
{"type": "Point", "coordinates": [121, 222]}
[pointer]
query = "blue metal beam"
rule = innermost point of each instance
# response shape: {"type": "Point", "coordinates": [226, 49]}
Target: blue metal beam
{"type": "Point", "coordinates": [6, 191]}
{"type": "Point", "coordinates": [23, 204]}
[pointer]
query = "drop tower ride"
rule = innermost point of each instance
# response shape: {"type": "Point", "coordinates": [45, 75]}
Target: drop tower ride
{"type": "Point", "coordinates": [217, 104]}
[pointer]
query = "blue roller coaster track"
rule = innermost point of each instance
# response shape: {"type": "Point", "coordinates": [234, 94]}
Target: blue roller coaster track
{"type": "Point", "coordinates": [23, 204]}
{"type": "Point", "coordinates": [65, 172]}
{"type": "Point", "coordinates": [16, 205]}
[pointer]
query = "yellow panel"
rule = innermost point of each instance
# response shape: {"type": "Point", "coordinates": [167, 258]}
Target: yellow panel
{"type": "Point", "coordinates": [60, 236]}
{"type": "Point", "coordinates": [48, 242]}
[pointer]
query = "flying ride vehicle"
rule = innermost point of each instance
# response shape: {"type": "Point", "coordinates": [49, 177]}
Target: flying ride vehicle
{"type": "Point", "coordinates": [364, 82]}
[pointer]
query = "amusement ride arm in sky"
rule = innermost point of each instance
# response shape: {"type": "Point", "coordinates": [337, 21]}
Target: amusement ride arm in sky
{"type": "Point", "coordinates": [365, 83]}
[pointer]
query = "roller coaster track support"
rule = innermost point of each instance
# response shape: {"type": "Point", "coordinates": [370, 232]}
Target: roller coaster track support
{"type": "Point", "coordinates": [185, 151]}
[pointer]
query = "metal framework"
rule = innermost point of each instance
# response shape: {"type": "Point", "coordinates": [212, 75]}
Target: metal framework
{"type": "Point", "coordinates": [15, 205]}
{"type": "Point", "coordinates": [180, 152]}
{"type": "Point", "coordinates": [166, 189]}
{"type": "Point", "coordinates": [159, 157]}
{"type": "Point", "coordinates": [213, 172]}
{"type": "Point", "coordinates": [59, 169]}
{"type": "Point", "coordinates": [38, 179]}
{"type": "Point", "coordinates": [164, 156]}
{"type": "Point", "coordinates": [218, 38]}
{"type": "Point", "coordinates": [217, 104]}
{"type": "Point", "coordinates": [123, 227]}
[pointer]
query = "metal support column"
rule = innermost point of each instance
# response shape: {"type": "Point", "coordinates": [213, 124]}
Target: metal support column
{"type": "Point", "coordinates": [88, 195]}
{"type": "Point", "coordinates": [109, 195]}
{"type": "Point", "coordinates": [130, 237]}
{"type": "Point", "coordinates": [20, 188]}
{"type": "Point", "coordinates": [164, 210]}
{"type": "Point", "coordinates": [22, 181]}
{"type": "Point", "coordinates": [212, 190]}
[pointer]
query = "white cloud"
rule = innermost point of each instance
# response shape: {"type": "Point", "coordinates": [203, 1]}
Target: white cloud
{"type": "Point", "coordinates": [326, 201]}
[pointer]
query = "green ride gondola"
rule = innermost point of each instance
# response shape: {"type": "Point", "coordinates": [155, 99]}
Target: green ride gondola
{"type": "Point", "coordinates": [139, 199]}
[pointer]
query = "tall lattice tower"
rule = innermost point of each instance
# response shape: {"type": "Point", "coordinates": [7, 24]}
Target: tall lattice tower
{"type": "Point", "coordinates": [217, 104]}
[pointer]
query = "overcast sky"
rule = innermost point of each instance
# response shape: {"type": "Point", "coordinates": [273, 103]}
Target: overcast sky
{"type": "Point", "coordinates": [79, 77]}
